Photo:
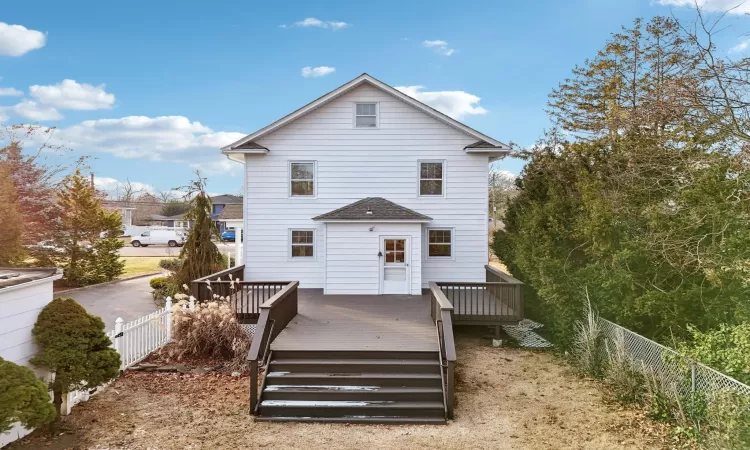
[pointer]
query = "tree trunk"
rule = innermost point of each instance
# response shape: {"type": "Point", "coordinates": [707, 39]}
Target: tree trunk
{"type": "Point", "coordinates": [57, 397]}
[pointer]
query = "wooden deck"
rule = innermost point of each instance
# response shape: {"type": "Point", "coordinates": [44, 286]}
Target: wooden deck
{"type": "Point", "coordinates": [479, 304]}
{"type": "Point", "coordinates": [359, 323]}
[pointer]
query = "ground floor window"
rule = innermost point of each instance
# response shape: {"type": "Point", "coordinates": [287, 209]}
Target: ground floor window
{"type": "Point", "coordinates": [302, 243]}
{"type": "Point", "coordinates": [440, 242]}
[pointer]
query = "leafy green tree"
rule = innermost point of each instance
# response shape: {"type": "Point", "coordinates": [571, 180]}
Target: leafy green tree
{"type": "Point", "coordinates": [23, 398]}
{"type": "Point", "coordinates": [87, 234]}
{"type": "Point", "coordinates": [73, 346]}
{"type": "Point", "coordinates": [200, 256]}
{"type": "Point", "coordinates": [174, 207]}
{"type": "Point", "coordinates": [649, 206]}
{"type": "Point", "coordinates": [12, 251]}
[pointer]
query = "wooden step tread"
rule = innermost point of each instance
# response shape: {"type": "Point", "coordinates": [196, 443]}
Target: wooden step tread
{"type": "Point", "coordinates": [345, 362]}
{"type": "Point", "coordinates": [353, 376]}
{"type": "Point", "coordinates": [363, 389]}
{"type": "Point", "coordinates": [373, 420]}
{"type": "Point", "coordinates": [366, 404]}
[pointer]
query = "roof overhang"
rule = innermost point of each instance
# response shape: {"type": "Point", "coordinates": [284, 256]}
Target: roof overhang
{"type": "Point", "coordinates": [371, 221]}
{"type": "Point", "coordinates": [237, 147]}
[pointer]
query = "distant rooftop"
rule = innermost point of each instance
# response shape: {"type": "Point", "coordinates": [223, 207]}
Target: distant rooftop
{"type": "Point", "coordinates": [231, 212]}
{"type": "Point", "coordinates": [12, 276]}
{"type": "Point", "coordinates": [226, 199]}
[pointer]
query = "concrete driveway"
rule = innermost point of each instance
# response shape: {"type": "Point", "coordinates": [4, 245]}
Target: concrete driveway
{"type": "Point", "coordinates": [129, 299]}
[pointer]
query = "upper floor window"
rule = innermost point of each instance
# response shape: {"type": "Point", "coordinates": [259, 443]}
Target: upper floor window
{"type": "Point", "coordinates": [302, 179]}
{"type": "Point", "coordinates": [366, 115]}
{"type": "Point", "coordinates": [431, 178]}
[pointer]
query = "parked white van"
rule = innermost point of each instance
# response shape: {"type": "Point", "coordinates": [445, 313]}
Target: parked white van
{"type": "Point", "coordinates": [171, 238]}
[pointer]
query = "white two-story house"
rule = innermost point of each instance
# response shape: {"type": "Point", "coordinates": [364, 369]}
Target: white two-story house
{"type": "Point", "coordinates": [366, 191]}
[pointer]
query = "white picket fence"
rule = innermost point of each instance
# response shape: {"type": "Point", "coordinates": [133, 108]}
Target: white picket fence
{"type": "Point", "coordinates": [133, 341]}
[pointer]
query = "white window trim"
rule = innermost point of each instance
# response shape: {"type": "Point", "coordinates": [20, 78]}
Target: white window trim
{"type": "Point", "coordinates": [289, 179]}
{"type": "Point", "coordinates": [377, 116]}
{"type": "Point", "coordinates": [452, 257]}
{"type": "Point", "coordinates": [419, 177]}
{"type": "Point", "coordinates": [313, 245]}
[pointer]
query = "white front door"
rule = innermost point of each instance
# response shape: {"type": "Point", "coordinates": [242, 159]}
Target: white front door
{"type": "Point", "coordinates": [395, 273]}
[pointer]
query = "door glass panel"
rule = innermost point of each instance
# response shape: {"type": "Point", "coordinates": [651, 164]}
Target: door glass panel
{"type": "Point", "coordinates": [395, 251]}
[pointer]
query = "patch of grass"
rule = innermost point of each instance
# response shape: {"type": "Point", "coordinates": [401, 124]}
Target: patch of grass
{"type": "Point", "coordinates": [137, 265]}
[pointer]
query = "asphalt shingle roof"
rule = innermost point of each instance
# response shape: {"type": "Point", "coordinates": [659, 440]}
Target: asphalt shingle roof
{"type": "Point", "coordinates": [231, 212]}
{"type": "Point", "coordinates": [379, 209]}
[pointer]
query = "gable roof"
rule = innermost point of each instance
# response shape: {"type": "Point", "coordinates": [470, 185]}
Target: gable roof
{"type": "Point", "coordinates": [373, 209]}
{"type": "Point", "coordinates": [246, 144]}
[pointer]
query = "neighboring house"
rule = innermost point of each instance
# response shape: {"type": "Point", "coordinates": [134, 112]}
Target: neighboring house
{"type": "Point", "coordinates": [218, 203]}
{"type": "Point", "coordinates": [23, 294]}
{"type": "Point", "coordinates": [126, 210]}
{"type": "Point", "coordinates": [231, 218]}
{"type": "Point", "coordinates": [366, 191]}
{"type": "Point", "coordinates": [176, 221]}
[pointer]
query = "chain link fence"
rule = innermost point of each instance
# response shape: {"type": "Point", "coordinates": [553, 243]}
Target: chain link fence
{"type": "Point", "coordinates": [684, 374]}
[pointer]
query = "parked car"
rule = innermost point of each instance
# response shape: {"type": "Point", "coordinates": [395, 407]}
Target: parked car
{"type": "Point", "coordinates": [228, 235]}
{"type": "Point", "coordinates": [159, 237]}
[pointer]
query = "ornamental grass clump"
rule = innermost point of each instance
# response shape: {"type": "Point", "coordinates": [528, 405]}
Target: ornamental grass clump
{"type": "Point", "coordinates": [208, 330]}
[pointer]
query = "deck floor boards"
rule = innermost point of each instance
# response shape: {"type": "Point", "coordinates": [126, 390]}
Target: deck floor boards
{"type": "Point", "coordinates": [359, 323]}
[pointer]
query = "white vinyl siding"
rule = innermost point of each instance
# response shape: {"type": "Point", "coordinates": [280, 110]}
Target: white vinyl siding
{"type": "Point", "coordinates": [19, 308]}
{"type": "Point", "coordinates": [352, 261]}
{"type": "Point", "coordinates": [352, 164]}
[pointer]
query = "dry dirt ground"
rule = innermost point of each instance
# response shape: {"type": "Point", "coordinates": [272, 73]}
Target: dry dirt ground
{"type": "Point", "coordinates": [506, 399]}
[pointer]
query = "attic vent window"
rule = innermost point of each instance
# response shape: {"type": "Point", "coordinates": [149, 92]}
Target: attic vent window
{"type": "Point", "coordinates": [366, 115]}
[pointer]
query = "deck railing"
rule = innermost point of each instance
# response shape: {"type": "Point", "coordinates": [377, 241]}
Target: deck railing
{"type": "Point", "coordinates": [442, 310]}
{"type": "Point", "coordinates": [497, 301]}
{"type": "Point", "coordinates": [203, 288]}
{"type": "Point", "coordinates": [275, 315]}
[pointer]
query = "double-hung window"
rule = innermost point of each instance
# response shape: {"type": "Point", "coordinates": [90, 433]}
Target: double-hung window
{"type": "Point", "coordinates": [302, 243]}
{"type": "Point", "coordinates": [440, 243]}
{"type": "Point", "coordinates": [431, 178]}
{"type": "Point", "coordinates": [302, 179]}
{"type": "Point", "coordinates": [366, 115]}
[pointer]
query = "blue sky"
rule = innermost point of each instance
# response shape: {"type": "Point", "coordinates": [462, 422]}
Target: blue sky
{"type": "Point", "coordinates": [157, 87]}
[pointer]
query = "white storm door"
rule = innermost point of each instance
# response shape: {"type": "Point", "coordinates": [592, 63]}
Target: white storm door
{"type": "Point", "coordinates": [395, 273]}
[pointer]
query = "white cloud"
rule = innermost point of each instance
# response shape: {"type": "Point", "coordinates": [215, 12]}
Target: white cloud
{"type": "Point", "coordinates": [17, 40]}
{"type": "Point", "coordinates": [113, 186]}
{"type": "Point", "coordinates": [736, 6]}
{"type": "Point", "coordinates": [456, 104]}
{"type": "Point", "coordinates": [439, 46]}
{"type": "Point", "coordinates": [312, 22]}
{"type": "Point", "coordinates": [168, 138]}
{"type": "Point", "coordinates": [32, 111]}
{"type": "Point", "coordinates": [741, 47]}
{"type": "Point", "coordinates": [69, 94]}
{"type": "Point", "coordinates": [10, 92]}
{"type": "Point", "coordinates": [319, 71]}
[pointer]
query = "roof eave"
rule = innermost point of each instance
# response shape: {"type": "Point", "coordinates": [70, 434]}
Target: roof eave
{"type": "Point", "coordinates": [365, 220]}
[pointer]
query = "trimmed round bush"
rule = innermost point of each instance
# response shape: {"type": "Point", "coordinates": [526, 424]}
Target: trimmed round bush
{"type": "Point", "coordinates": [23, 398]}
{"type": "Point", "coordinates": [158, 282]}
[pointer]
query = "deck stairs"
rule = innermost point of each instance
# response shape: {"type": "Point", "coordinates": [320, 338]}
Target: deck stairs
{"type": "Point", "coordinates": [384, 387]}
